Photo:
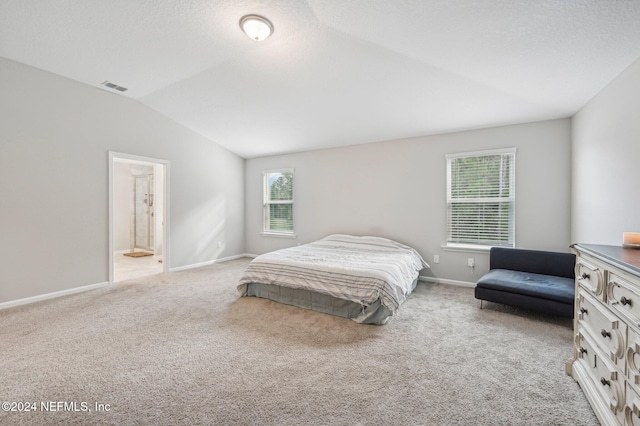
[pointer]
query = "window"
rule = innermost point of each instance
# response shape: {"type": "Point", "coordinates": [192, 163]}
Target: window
{"type": "Point", "coordinates": [481, 198]}
{"type": "Point", "coordinates": [278, 201]}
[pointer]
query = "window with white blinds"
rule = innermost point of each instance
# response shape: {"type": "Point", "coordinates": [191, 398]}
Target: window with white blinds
{"type": "Point", "coordinates": [278, 201]}
{"type": "Point", "coordinates": [481, 198]}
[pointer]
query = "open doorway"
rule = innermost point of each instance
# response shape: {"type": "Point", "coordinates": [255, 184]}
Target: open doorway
{"type": "Point", "coordinates": [138, 216]}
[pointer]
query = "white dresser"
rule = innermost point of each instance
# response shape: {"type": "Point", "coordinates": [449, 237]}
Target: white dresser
{"type": "Point", "coordinates": [606, 355]}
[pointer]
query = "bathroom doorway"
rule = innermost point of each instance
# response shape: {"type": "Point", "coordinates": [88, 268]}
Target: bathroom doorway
{"type": "Point", "coordinates": [138, 216]}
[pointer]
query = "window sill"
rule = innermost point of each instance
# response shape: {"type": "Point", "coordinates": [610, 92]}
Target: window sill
{"type": "Point", "coordinates": [278, 234]}
{"type": "Point", "coordinates": [467, 248]}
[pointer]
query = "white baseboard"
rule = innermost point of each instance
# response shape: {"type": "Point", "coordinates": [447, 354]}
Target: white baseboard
{"type": "Point", "coordinates": [448, 282]}
{"type": "Point", "coordinates": [27, 300]}
{"type": "Point", "coordinates": [209, 262]}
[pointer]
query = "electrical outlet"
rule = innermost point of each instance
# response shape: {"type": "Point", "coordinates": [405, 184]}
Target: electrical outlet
{"type": "Point", "coordinates": [471, 262]}
{"type": "Point", "coordinates": [436, 258]}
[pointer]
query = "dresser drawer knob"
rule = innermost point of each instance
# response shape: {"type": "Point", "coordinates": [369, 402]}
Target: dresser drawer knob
{"type": "Point", "coordinates": [582, 351]}
{"type": "Point", "coordinates": [605, 382]}
{"type": "Point", "coordinates": [605, 333]}
{"type": "Point", "coordinates": [625, 301]}
{"type": "Point", "coordinates": [584, 311]}
{"type": "Point", "coordinates": [585, 276]}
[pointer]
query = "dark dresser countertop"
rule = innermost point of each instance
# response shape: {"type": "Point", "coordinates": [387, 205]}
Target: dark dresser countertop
{"type": "Point", "coordinates": [627, 259]}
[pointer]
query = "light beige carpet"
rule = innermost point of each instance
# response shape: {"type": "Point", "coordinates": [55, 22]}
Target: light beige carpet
{"type": "Point", "coordinates": [182, 348]}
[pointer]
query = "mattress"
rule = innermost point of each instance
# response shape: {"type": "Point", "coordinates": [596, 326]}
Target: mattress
{"type": "Point", "coordinates": [362, 278]}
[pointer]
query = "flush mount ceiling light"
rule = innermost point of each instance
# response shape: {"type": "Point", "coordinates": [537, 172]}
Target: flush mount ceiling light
{"type": "Point", "coordinates": [256, 27]}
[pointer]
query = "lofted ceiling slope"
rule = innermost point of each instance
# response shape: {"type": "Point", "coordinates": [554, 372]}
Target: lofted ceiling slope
{"type": "Point", "coordinates": [334, 72]}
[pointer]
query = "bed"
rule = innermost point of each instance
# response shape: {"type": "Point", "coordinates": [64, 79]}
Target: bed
{"type": "Point", "coordinates": [365, 279]}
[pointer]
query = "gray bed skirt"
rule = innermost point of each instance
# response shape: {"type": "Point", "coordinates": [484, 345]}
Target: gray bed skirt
{"type": "Point", "coordinates": [375, 313]}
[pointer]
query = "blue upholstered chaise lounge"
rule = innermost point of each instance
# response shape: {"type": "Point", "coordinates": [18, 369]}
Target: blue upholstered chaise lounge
{"type": "Point", "coordinates": [536, 280]}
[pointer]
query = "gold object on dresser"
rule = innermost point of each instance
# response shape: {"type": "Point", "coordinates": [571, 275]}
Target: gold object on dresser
{"type": "Point", "coordinates": [606, 354]}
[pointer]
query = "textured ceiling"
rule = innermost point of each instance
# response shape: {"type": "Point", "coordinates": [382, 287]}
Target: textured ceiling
{"type": "Point", "coordinates": [335, 72]}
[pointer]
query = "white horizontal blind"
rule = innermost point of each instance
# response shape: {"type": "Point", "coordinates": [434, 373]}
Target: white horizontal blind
{"type": "Point", "coordinates": [481, 198]}
{"type": "Point", "coordinates": [278, 201]}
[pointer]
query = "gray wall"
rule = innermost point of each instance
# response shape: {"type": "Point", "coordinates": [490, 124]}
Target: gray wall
{"type": "Point", "coordinates": [397, 190]}
{"type": "Point", "coordinates": [55, 135]}
{"type": "Point", "coordinates": [606, 173]}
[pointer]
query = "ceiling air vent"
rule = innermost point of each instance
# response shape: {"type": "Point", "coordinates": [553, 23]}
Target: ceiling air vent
{"type": "Point", "coordinates": [110, 85]}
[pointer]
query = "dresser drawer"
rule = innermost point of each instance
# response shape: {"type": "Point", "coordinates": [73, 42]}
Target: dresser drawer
{"type": "Point", "coordinates": [633, 358]}
{"type": "Point", "coordinates": [609, 383]}
{"type": "Point", "coordinates": [624, 298]}
{"type": "Point", "coordinates": [632, 408]}
{"type": "Point", "coordinates": [590, 277]}
{"type": "Point", "coordinates": [608, 331]}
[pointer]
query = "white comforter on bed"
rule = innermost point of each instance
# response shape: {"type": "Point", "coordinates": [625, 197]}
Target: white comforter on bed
{"type": "Point", "coordinates": [359, 269]}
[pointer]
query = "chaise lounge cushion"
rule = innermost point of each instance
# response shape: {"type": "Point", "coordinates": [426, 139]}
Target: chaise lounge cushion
{"type": "Point", "coordinates": [548, 287]}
